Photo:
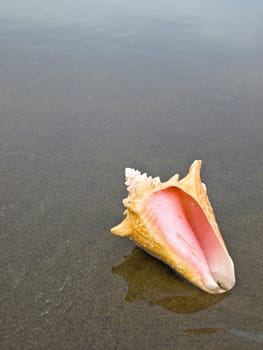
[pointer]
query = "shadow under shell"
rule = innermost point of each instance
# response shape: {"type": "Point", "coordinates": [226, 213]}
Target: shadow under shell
{"type": "Point", "coordinates": [152, 281]}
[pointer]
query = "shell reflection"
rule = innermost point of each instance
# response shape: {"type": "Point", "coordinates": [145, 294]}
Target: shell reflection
{"type": "Point", "coordinates": [151, 281]}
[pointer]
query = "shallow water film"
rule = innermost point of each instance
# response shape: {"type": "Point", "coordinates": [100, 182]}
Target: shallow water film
{"type": "Point", "coordinates": [88, 88]}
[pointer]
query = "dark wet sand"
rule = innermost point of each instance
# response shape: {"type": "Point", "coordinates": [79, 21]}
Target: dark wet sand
{"type": "Point", "coordinates": [81, 99]}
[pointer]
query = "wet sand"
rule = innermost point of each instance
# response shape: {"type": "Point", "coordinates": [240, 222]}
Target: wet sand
{"type": "Point", "coordinates": [86, 92]}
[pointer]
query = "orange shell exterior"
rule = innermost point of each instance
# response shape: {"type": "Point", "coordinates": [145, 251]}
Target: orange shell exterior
{"type": "Point", "coordinates": [137, 227]}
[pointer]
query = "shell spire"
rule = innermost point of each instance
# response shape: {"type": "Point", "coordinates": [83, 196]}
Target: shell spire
{"type": "Point", "coordinates": [174, 221]}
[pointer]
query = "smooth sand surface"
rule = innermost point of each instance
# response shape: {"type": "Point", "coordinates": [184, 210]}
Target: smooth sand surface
{"type": "Point", "coordinates": [86, 91]}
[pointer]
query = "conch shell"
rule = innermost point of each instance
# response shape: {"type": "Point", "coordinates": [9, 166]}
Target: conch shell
{"type": "Point", "coordinates": [174, 222]}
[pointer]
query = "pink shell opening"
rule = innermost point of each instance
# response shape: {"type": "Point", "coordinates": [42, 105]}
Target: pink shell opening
{"type": "Point", "coordinates": [183, 224]}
